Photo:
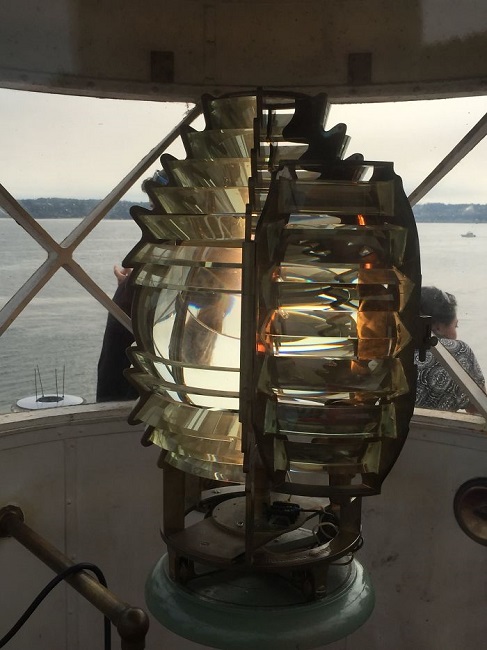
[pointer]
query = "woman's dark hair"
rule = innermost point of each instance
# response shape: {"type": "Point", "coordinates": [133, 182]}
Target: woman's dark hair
{"type": "Point", "coordinates": [440, 305]}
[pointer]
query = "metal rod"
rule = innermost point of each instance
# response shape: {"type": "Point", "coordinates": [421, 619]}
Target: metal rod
{"type": "Point", "coordinates": [132, 623]}
{"type": "Point", "coordinates": [85, 280]}
{"type": "Point", "coordinates": [26, 221]}
{"type": "Point", "coordinates": [84, 228]}
{"type": "Point", "coordinates": [62, 254]}
{"type": "Point", "coordinates": [458, 153]}
{"type": "Point", "coordinates": [40, 380]}
{"type": "Point", "coordinates": [29, 290]}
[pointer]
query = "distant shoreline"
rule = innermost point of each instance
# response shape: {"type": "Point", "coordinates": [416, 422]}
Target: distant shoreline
{"type": "Point", "coordinates": [63, 208]}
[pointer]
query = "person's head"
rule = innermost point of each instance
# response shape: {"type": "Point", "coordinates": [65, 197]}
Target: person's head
{"type": "Point", "coordinates": [442, 307]}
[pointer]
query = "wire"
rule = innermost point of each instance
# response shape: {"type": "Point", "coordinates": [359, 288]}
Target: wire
{"type": "Point", "coordinates": [75, 568]}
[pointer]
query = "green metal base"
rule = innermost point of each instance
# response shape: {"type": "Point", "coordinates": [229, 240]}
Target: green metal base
{"type": "Point", "coordinates": [235, 611]}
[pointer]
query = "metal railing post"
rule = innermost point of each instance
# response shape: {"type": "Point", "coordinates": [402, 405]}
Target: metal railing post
{"type": "Point", "coordinates": [132, 623]}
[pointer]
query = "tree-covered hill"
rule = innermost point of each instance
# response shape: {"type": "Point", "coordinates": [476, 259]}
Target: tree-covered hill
{"type": "Point", "coordinates": [58, 208]}
{"type": "Point", "coordinates": [450, 212]}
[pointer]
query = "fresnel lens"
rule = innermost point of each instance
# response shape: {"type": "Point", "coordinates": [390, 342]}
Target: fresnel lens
{"type": "Point", "coordinates": [276, 296]}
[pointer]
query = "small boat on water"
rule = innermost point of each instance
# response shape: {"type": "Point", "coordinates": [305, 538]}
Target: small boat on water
{"type": "Point", "coordinates": [468, 234]}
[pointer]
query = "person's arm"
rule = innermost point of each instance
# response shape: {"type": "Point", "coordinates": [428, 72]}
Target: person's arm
{"type": "Point", "coordinates": [121, 273]}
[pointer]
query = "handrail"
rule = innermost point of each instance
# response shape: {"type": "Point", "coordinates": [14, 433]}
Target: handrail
{"type": "Point", "coordinates": [132, 623]}
{"type": "Point", "coordinates": [476, 395]}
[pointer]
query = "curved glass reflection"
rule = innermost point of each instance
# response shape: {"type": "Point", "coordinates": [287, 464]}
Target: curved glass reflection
{"type": "Point", "coordinates": [266, 239]}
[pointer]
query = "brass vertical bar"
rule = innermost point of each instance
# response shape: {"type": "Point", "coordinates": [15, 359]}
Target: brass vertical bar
{"type": "Point", "coordinates": [247, 344]}
{"type": "Point", "coordinates": [174, 483]}
{"type": "Point", "coordinates": [132, 623]}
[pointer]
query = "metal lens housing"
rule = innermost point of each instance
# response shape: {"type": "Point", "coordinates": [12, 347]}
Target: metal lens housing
{"type": "Point", "coordinates": [276, 298]}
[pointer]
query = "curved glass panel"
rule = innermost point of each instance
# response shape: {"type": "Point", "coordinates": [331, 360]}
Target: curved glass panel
{"type": "Point", "coordinates": [202, 226]}
{"type": "Point", "coordinates": [357, 457]}
{"type": "Point", "coordinates": [206, 469]}
{"type": "Point", "coordinates": [327, 197]}
{"type": "Point", "coordinates": [207, 145]}
{"type": "Point", "coordinates": [340, 420]}
{"type": "Point", "coordinates": [324, 376]}
{"type": "Point", "coordinates": [202, 200]}
{"type": "Point", "coordinates": [360, 335]}
{"type": "Point", "coordinates": [187, 255]}
{"type": "Point", "coordinates": [221, 279]}
{"type": "Point", "coordinates": [238, 143]}
{"type": "Point", "coordinates": [333, 313]}
{"type": "Point", "coordinates": [213, 424]}
{"type": "Point", "coordinates": [319, 283]}
{"type": "Point", "coordinates": [199, 448]}
{"type": "Point", "coordinates": [231, 172]}
{"type": "Point", "coordinates": [237, 112]}
{"type": "Point", "coordinates": [231, 112]}
{"type": "Point", "coordinates": [378, 246]}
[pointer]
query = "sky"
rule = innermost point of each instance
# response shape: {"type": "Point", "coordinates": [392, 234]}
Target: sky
{"type": "Point", "coordinates": [80, 147]}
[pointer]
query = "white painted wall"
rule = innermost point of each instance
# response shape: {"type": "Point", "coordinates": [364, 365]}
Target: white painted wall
{"type": "Point", "coordinates": [104, 48]}
{"type": "Point", "coordinates": [86, 484]}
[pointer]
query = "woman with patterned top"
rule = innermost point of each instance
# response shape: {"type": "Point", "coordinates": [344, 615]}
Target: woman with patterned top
{"type": "Point", "coordinates": [436, 389]}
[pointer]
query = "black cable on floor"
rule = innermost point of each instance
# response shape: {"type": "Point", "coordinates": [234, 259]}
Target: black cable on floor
{"type": "Point", "coordinates": [81, 566]}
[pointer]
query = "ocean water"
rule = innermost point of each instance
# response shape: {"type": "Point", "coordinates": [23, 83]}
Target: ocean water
{"type": "Point", "coordinates": [62, 328]}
